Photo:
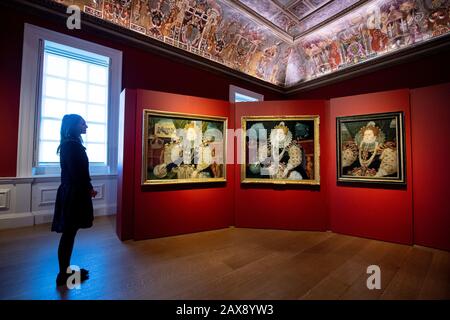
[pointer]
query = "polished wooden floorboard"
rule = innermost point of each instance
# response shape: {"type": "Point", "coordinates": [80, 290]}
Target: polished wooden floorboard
{"type": "Point", "coordinates": [231, 263]}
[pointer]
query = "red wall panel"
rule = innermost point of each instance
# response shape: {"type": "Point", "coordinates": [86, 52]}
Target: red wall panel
{"type": "Point", "coordinates": [430, 115]}
{"type": "Point", "coordinates": [10, 74]}
{"type": "Point", "coordinates": [293, 207]}
{"type": "Point", "coordinates": [377, 212]}
{"type": "Point", "coordinates": [125, 165]}
{"type": "Point", "coordinates": [175, 209]}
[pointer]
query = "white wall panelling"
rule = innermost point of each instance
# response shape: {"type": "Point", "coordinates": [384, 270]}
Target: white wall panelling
{"type": "Point", "coordinates": [4, 199]}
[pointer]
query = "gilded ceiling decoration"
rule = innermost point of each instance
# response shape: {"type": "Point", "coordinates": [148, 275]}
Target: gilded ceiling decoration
{"type": "Point", "coordinates": [283, 42]}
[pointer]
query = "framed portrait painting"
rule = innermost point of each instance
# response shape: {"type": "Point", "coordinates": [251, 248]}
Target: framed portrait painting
{"type": "Point", "coordinates": [280, 150]}
{"type": "Point", "coordinates": [183, 148]}
{"type": "Point", "coordinates": [371, 148]}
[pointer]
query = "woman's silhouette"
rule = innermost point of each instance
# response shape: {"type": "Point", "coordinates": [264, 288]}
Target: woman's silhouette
{"type": "Point", "coordinates": [73, 207]}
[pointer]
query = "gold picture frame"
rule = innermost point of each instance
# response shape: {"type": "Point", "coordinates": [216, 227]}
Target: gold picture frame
{"type": "Point", "coordinates": [296, 137]}
{"type": "Point", "coordinates": [179, 148]}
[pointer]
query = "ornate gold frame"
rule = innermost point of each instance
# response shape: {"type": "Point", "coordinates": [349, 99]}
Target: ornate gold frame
{"type": "Point", "coordinates": [150, 112]}
{"type": "Point", "coordinates": [315, 118]}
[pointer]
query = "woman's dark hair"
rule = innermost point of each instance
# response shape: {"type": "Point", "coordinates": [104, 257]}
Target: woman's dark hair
{"type": "Point", "coordinates": [69, 130]}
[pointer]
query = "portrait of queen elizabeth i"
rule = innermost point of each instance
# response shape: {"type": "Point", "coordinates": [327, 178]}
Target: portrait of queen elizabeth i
{"type": "Point", "coordinates": [181, 148]}
{"type": "Point", "coordinates": [370, 148]}
{"type": "Point", "coordinates": [281, 150]}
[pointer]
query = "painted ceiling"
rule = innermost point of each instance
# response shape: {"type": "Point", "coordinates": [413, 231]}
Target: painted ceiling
{"type": "Point", "coordinates": [283, 42]}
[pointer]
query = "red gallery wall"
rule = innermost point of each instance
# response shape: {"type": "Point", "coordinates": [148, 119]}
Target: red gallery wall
{"type": "Point", "coordinates": [156, 211]}
{"type": "Point", "coordinates": [430, 116]}
{"type": "Point", "coordinates": [293, 207]}
{"type": "Point", "coordinates": [376, 212]}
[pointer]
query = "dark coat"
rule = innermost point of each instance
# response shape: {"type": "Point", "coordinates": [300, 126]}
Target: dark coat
{"type": "Point", "coordinates": [73, 207]}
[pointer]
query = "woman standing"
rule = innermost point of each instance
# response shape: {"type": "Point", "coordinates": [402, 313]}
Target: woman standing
{"type": "Point", "coordinates": [73, 207]}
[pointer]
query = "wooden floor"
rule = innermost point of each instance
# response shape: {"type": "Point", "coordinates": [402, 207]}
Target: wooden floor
{"type": "Point", "coordinates": [223, 264]}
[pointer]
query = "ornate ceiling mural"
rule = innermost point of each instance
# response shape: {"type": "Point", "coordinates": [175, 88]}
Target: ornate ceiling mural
{"type": "Point", "coordinates": [283, 42]}
{"type": "Point", "coordinates": [296, 17]}
{"type": "Point", "coordinates": [370, 31]}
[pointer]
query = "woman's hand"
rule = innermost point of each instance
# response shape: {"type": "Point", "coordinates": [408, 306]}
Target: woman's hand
{"type": "Point", "coordinates": [93, 193]}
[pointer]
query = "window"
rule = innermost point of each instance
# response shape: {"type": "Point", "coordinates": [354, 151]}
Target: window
{"type": "Point", "coordinates": [73, 81]}
{"type": "Point", "coordinates": [62, 75]}
{"type": "Point", "coordinates": [242, 95]}
{"type": "Point", "coordinates": [239, 97]}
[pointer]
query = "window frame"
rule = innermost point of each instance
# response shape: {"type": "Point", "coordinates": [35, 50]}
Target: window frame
{"type": "Point", "coordinates": [30, 100]}
{"type": "Point", "coordinates": [235, 89]}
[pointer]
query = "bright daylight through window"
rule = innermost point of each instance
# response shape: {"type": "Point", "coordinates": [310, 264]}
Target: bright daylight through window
{"type": "Point", "coordinates": [73, 81]}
